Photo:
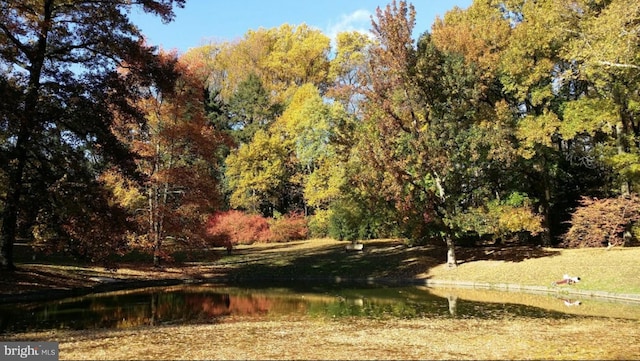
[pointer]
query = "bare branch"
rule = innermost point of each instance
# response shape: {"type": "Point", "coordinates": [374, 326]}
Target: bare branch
{"type": "Point", "coordinates": [618, 65]}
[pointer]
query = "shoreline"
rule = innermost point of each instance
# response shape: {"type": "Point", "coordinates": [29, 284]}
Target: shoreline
{"type": "Point", "coordinates": [113, 284]}
{"type": "Point", "coordinates": [605, 274]}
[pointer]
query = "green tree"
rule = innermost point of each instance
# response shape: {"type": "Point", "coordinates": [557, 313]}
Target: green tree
{"type": "Point", "coordinates": [62, 55]}
{"type": "Point", "coordinates": [250, 109]}
{"type": "Point", "coordinates": [605, 49]}
{"type": "Point", "coordinates": [530, 67]}
{"type": "Point", "coordinates": [569, 99]}
{"type": "Point", "coordinates": [430, 131]}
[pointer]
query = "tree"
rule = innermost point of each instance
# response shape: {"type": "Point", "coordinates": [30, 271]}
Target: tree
{"type": "Point", "coordinates": [605, 49]}
{"type": "Point", "coordinates": [283, 58]}
{"type": "Point", "coordinates": [299, 56]}
{"type": "Point", "coordinates": [63, 56]}
{"type": "Point", "coordinates": [399, 115]}
{"type": "Point", "coordinates": [347, 67]}
{"type": "Point", "coordinates": [430, 122]}
{"type": "Point", "coordinates": [530, 67]}
{"type": "Point", "coordinates": [177, 154]}
{"type": "Point", "coordinates": [573, 103]}
{"type": "Point", "coordinates": [458, 32]}
{"type": "Point", "coordinates": [311, 124]}
{"type": "Point", "coordinates": [250, 109]}
{"type": "Point", "coordinates": [258, 173]}
{"type": "Point", "coordinates": [603, 222]}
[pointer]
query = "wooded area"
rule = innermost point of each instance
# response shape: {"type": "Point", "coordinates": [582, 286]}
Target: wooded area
{"type": "Point", "coordinates": [508, 121]}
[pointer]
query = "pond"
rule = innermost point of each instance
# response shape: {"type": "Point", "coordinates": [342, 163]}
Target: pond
{"type": "Point", "coordinates": [209, 303]}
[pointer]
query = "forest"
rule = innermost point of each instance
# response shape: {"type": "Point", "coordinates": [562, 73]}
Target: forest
{"type": "Point", "coordinates": [508, 121]}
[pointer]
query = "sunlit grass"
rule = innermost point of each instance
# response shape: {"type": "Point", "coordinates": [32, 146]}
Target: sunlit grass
{"type": "Point", "coordinates": [616, 270]}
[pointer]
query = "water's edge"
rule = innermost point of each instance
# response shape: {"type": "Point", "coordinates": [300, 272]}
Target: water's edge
{"type": "Point", "coordinates": [109, 285]}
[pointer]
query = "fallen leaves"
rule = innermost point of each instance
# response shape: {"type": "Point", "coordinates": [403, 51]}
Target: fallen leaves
{"type": "Point", "coordinates": [356, 338]}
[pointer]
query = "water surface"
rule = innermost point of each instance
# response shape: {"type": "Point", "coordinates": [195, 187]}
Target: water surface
{"type": "Point", "coordinates": [188, 304]}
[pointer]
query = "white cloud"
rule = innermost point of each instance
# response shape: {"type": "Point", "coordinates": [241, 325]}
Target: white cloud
{"type": "Point", "coordinates": [359, 20]}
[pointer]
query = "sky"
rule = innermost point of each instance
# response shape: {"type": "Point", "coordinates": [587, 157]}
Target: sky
{"type": "Point", "coordinates": [204, 21]}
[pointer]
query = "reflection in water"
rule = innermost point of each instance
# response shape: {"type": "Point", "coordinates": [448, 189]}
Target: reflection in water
{"type": "Point", "coordinates": [210, 304]}
{"type": "Point", "coordinates": [570, 303]}
{"type": "Point", "coordinates": [453, 303]}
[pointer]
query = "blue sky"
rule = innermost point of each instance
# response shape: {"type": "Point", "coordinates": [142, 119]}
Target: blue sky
{"type": "Point", "coordinates": [203, 21]}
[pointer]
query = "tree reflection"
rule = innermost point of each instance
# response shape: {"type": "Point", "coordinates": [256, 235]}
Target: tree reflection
{"type": "Point", "coordinates": [207, 304]}
{"type": "Point", "coordinates": [453, 305]}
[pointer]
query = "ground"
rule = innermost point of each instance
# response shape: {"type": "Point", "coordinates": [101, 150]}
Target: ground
{"type": "Point", "coordinates": [615, 271]}
{"type": "Point", "coordinates": [325, 339]}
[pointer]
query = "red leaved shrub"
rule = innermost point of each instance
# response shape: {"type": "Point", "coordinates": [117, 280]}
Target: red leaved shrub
{"type": "Point", "coordinates": [230, 228]}
{"type": "Point", "coordinates": [291, 227]}
{"type": "Point", "coordinates": [235, 227]}
{"type": "Point", "coordinates": [600, 222]}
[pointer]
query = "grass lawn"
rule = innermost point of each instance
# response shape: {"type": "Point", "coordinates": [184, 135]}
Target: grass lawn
{"type": "Point", "coordinates": [616, 270]}
{"type": "Point", "coordinates": [612, 271]}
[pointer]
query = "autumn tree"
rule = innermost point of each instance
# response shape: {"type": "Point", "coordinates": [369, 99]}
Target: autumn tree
{"type": "Point", "coordinates": [59, 61]}
{"type": "Point", "coordinates": [258, 175]}
{"type": "Point", "coordinates": [530, 66]}
{"type": "Point", "coordinates": [300, 55]}
{"type": "Point", "coordinates": [603, 222]}
{"type": "Point", "coordinates": [177, 149]}
{"type": "Point", "coordinates": [347, 68]}
{"type": "Point", "coordinates": [283, 58]}
{"type": "Point", "coordinates": [565, 86]}
{"type": "Point", "coordinates": [310, 123]}
{"type": "Point", "coordinates": [605, 49]}
{"type": "Point", "coordinates": [430, 132]}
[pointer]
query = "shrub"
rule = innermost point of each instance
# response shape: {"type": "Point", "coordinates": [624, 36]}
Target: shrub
{"type": "Point", "coordinates": [348, 221]}
{"type": "Point", "coordinates": [599, 222]}
{"type": "Point", "coordinates": [319, 223]}
{"type": "Point", "coordinates": [235, 227]}
{"type": "Point", "coordinates": [289, 228]}
{"type": "Point", "coordinates": [343, 223]}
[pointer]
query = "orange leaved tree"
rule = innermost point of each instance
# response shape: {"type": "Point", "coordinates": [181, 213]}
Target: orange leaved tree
{"type": "Point", "coordinates": [177, 149]}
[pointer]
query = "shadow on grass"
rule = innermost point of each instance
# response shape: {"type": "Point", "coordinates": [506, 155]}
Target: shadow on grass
{"type": "Point", "coordinates": [507, 252]}
{"type": "Point", "coordinates": [380, 260]}
{"type": "Point", "coordinates": [390, 260]}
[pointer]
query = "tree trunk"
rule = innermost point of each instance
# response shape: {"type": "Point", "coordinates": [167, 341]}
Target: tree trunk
{"type": "Point", "coordinates": [156, 252]}
{"type": "Point", "coordinates": [545, 235]}
{"type": "Point", "coordinates": [622, 149]}
{"type": "Point", "coordinates": [155, 224]}
{"type": "Point", "coordinates": [11, 206]}
{"type": "Point", "coordinates": [14, 187]}
{"type": "Point", "coordinates": [625, 188]}
{"type": "Point", "coordinates": [451, 252]}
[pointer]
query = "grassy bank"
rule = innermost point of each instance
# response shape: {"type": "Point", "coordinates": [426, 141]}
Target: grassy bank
{"type": "Point", "coordinates": [613, 271]}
